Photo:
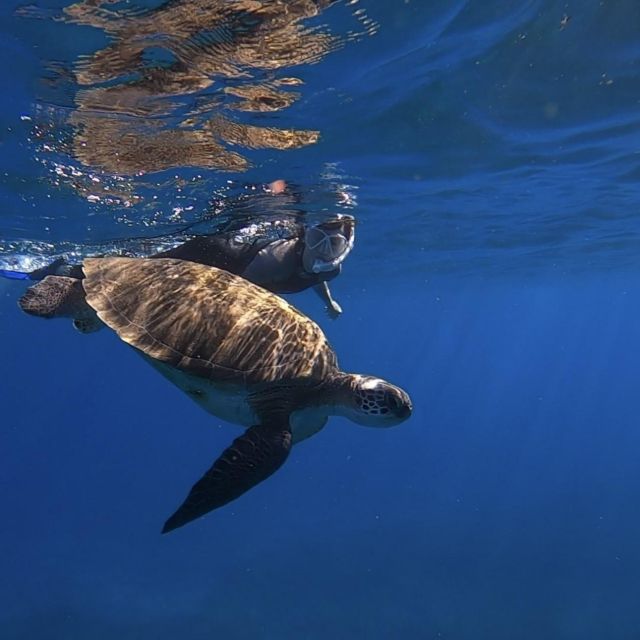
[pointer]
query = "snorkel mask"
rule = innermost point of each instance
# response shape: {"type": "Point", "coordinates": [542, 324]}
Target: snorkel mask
{"type": "Point", "coordinates": [328, 243]}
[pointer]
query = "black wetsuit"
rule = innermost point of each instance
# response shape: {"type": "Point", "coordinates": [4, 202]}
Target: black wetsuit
{"type": "Point", "coordinates": [225, 251]}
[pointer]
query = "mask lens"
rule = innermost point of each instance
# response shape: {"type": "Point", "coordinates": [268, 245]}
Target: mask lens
{"type": "Point", "coordinates": [328, 247]}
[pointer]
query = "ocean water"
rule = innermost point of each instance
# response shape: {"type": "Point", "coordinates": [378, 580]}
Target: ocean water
{"type": "Point", "coordinates": [490, 152]}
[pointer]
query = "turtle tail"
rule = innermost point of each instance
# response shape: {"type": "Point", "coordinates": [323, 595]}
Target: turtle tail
{"type": "Point", "coordinates": [54, 297]}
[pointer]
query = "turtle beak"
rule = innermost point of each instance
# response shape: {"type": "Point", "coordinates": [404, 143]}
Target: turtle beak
{"type": "Point", "coordinates": [404, 412]}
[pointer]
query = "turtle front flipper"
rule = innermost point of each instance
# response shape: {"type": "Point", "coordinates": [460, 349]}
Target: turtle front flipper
{"type": "Point", "coordinates": [252, 458]}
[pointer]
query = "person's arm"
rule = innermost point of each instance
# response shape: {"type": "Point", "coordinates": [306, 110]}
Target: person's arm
{"type": "Point", "coordinates": [333, 308]}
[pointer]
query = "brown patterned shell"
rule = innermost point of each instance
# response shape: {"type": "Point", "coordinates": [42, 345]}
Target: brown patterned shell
{"type": "Point", "coordinates": [205, 321]}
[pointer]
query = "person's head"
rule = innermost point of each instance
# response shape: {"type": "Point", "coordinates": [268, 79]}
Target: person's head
{"type": "Point", "coordinates": [328, 243]}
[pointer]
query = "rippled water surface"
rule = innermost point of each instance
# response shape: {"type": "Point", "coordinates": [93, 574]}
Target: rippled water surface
{"type": "Point", "coordinates": [490, 153]}
{"type": "Point", "coordinates": [491, 137]}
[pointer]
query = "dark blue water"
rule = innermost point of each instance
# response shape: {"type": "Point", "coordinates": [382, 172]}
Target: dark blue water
{"type": "Point", "coordinates": [489, 151]}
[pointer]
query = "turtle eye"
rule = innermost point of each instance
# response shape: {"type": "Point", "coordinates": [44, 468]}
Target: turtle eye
{"type": "Point", "coordinates": [392, 401]}
{"type": "Point", "coordinates": [397, 404]}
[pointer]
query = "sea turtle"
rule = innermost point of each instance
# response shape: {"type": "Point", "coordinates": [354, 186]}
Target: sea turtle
{"type": "Point", "coordinates": [241, 352]}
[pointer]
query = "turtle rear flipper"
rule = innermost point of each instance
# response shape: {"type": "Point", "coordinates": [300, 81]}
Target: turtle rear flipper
{"type": "Point", "coordinates": [55, 297]}
{"type": "Point", "coordinates": [251, 458]}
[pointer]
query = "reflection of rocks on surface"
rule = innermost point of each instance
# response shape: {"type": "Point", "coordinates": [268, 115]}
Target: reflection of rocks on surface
{"type": "Point", "coordinates": [260, 137]}
{"type": "Point", "coordinates": [125, 147]}
{"type": "Point", "coordinates": [260, 98]}
{"type": "Point", "coordinates": [124, 128]}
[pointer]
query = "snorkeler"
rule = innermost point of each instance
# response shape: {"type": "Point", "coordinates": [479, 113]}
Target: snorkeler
{"type": "Point", "coordinates": [308, 256]}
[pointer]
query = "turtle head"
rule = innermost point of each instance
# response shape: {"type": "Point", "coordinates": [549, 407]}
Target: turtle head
{"type": "Point", "coordinates": [375, 403]}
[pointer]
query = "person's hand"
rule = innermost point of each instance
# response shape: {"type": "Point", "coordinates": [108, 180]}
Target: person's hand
{"type": "Point", "coordinates": [334, 310]}
{"type": "Point", "coordinates": [276, 187]}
